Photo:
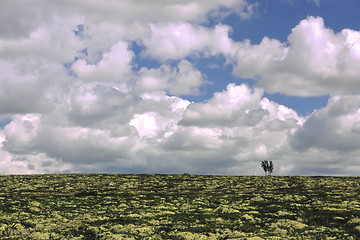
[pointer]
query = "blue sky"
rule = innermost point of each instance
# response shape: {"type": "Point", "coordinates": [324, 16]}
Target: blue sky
{"type": "Point", "coordinates": [275, 19]}
{"type": "Point", "coordinates": [207, 86]}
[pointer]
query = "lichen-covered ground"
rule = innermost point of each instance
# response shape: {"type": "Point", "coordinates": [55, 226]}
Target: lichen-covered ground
{"type": "Point", "coordinates": [109, 206]}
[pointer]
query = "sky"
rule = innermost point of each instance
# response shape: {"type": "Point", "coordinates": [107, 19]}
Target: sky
{"type": "Point", "coordinates": [205, 86]}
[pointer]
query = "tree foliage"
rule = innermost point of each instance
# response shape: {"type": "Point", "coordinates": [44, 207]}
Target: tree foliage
{"type": "Point", "coordinates": [267, 166]}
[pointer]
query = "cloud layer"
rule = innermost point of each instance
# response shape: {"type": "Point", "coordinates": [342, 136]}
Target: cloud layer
{"type": "Point", "coordinates": [79, 98]}
{"type": "Point", "coordinates": [315, 61]}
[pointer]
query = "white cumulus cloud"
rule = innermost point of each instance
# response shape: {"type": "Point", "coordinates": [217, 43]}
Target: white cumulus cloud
{"type": "Point", "coordinates": [315, 61]}
{"type": "Point", "coordinates": [77, 94]}
{"type": "Point", "coordinates": [333, 128]}
{"type": "Point", "coordinates": [179, 40]}
{"type": "Point", "coordinates": [183, 79]}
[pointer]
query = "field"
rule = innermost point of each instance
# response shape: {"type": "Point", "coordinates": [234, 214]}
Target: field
{"type": "Point", "coordinates": [119, 206]}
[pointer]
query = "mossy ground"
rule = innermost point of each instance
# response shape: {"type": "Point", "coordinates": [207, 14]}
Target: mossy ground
{"type": "Point", "coordinates": [119, 206]}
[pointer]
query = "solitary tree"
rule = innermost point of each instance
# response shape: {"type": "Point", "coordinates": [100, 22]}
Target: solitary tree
{"type": "Point", "coordinates": [267, 166]}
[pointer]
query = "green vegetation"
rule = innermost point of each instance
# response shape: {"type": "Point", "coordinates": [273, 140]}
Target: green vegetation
{"type": "Point", "coordinates": [104, 206]}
